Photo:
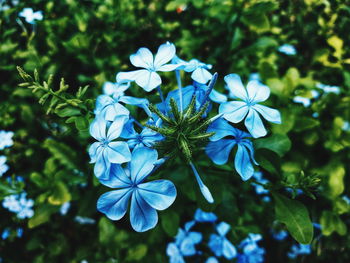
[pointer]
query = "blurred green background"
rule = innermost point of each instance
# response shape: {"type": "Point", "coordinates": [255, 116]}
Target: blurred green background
{"type": "Point", "coordinates": [88, 42]}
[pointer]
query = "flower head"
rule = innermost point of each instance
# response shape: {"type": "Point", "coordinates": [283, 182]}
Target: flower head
{"type": "Point", "coordinates": [299, 249]}
{"type": "Point", "coordinates": [219, 149]}
{"type": "Point", "coordinates": [220, 245]}
{"type": "Point", "coordinates": [30, 16]}
{"type": "Point", "coordinates": [148, 78]}
{"type": "Point", "coordinates": [287, 49]}
{"type": "Point", "coordinates": [3, 166]}
{"type": "Point", "coordinates": [146, 197]}
{"type": "Point", "coordinates": [248, 107]}
{"type": "Point", "coordinates": [6, 139]}
{"type": "Point", "coordinates": [252, 253]}
{"type": "Point", "coordinates": [106, 151]}
{"type": "Point", "coordinates": [200, 70]}
{"type": "Point", "coordinates": [204, 217]}
{"type": "Point", "coordinates": [20, 205]}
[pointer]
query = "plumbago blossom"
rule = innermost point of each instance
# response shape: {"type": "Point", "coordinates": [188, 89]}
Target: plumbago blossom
{"type": "Point", "coordinates": [135, 136]}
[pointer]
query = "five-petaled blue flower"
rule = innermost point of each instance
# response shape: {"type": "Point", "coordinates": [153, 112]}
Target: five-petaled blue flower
{"type": "Point", "coordinates": [220, 245]}
{"type": "Point", "coordinates": [252, 253]}
{"type": "Point", "coordinates": [299, 249]}
{"type": "Point", "coordinates": [6, 139]}
{"type": "Point", "coordinates": [3, 166]}
{"type": "Point", "coordinates": [236, 111]}
{"type": "Point", "coordinates": [204, 217]}
{"type": "Point", "coordinates": [146, 197]}
{"type": "Point", "coordinates": [200, 70]}
{"type": "Point", "coordinates": [20, 205]}
{"type": "Point", "coordinates": [30, 16]}
{"type": "Point", "coordinates": [146, 138]}
{"type": "Point", "coordinates": [219, 149]}
{"type": "Point", "coordinates": [106, 151]}
{"type": "Point", "coordinates": [148, 78]}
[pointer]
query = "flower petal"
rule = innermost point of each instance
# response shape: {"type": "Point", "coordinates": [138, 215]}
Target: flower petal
{"type": "Point", "coordinates": [118, 152]}
{"type": "Point", "coordinates": [235, 87]}
{"type": "Point", "coordinates": [219, 151]}
{"type": "Point", "coordinates": [130, 75]}
{"type": "Point", "coordinates": [142, 216]}
{"type": "Point", "coordinates": [98, 129]}
{"type": "Point", "coordinates": [269, 114]}
{"type": "Point", "coordinates": [168, 67]}
{"type": "Point", "coordinates": [102, 165]}
{"type": "Point", "coordinates": [148, 80]}
{"type": "Point", "coordinates": [114, 203]}
{"type": "Point", "coordinates": [142, 163]}
{"type": "Point", "coordinates": [228, 249]}
{"type": "Point", "coordinates": [133, 101]}
{"type": "Point", "coordinates": [222, 129]}
{"type": "Point", "coordinates": [117, 178]}
{"type": "Point", "coordinates": [201, 75]}
{"type": "Point", "coordinates": [254, 124]}
{"type": "Point", "coordinates": [257, 92]}
{"type": "Point", "coordinates": [159, 194]}
{"type": "Point", "coordinates": [223, 228]}
{"type": "Point", "coordinates": [128, 130]}
{"type": "Point", "coordinates": [234, 111]}
{"type": "Point", "coordinates": [243, 164]}
{"type": "Point", "coordinates": [164, 54]}
{"type": "Point", "coordinates": [94, 151]}
{"type": "Point", "coordinates": [217, 96]}
{"type": "Point", "coordinates": [101, 102]}
{"type": "Point", "coordinates": [116, 109]}
{"type": "Point", "coordinates": [143, 58]}
{"type": "Point", "coordinates": [116, 127]}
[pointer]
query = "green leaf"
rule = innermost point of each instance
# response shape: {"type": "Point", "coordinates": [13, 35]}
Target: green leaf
{"type": "Point", "coordinates": [170, 222]}
{"type": "Point", "coordinates": [336, 181]}
{"type": "Point", "coordinates": [68, 112]}
{"type": "Point", "coordinates": [136, 253]}
{"type": "Point", "coordinates": [331, 222]}
{"type": "Point", "coordinates": [305, 123]}
{"type": "Point", "coordinates": [268, 160]}
{"type": "Point", "coordinates": [41, 216]}
{"type": "Point", "coordinates": [277, 143]}
{"type": "Point", "coordinates": [296, 218]}
{"type": "Point", "coordinates": [60, 194]}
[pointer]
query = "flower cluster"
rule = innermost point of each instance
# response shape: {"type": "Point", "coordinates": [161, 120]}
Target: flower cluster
{"type": "Point", "coordinates": [135, 136]}
{"type": "Point", "coordinates": [5, 141]}
{"type": "Point", "coordinates": [30, 16]}
{"type": "Point", "coordinates": [187, 242]}
{"type": "Point", "coordinates": [20, 205]}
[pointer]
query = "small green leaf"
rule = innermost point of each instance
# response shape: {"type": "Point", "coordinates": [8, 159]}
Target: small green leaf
{"type": "Point", "coordinates": [331, 222]}
{"type": "Point", "coordinates": [296, 218]}
{"type": "Point", "coordinates": [60, 194]}
{"type": "Point", "coordinates": [170, 222]}
{"type": "Point", "coordinates": [277, 143]}
{"type": "Point", "coordinates": [68, 112]}
{"type": "Point", "coordinates": [136, 253]}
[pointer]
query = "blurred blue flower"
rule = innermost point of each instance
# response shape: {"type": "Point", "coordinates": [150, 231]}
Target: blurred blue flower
{"type": "Point", "coordinates": [219, 149]}
{"type": "Point", "coordinates": [64, 208]}
{"type": "Point", "coordinates": [106, 151]}
{"type": "Point", "coordinates": [148, 78]}
{"type": "Point", "coordinates": [147, 137]}
{"type": "Point", "coordinates": [30, 16]}
{"type": "Point", "coordinates": [3, 166]}
{"type": "Point", "coordinates": [6, 233]}
{"type": "Point", "coordinates": [254, 76]}
{"type": "Point", "coordinates": [299, 249]}
{"type": "Point", "coordinates": [112, 89]}
{"type": "Point", "coordinates": [19, 232]}
{"type": "Point", "coordinates": [146, 198]}
{"type": "Point", "coordinates": [259, 189]}
{"type": "Point", "coordinates": [84, 220]}
{"type": "Point", "coordinates": [287, 49]}
{"type": "Point", "coordinates": [252, 253]}
{"type": "Point", "coordinates": [328, 88]}
{"type": "Point", "coordinates": [280, 235]}
{"type": "Point", "coordinates": [20, 205]}
{"type": "Point", "coordinates": [219, 244]}
{"type": "Point", "coordinates": [212, 260]}
{"type": "Point", "coordinates": [200, 70]}
{"type": "Point", "coordinates": [5, 139]}
{"type": "Point", "coordinates": [204, 217]}
{"type": "Point", "coordinates": [236, 111]}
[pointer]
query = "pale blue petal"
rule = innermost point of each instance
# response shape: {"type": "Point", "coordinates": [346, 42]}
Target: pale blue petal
{"type": "Point", "coordinates": [98, 129]}
{"type": "Point", "coordinates": [148, 80]}
{"type": "Point", "coordinates": [254, 124]}
{"type": "Point", "coordinates": [223, 228]}
{"type": "Point", "coordinates": [94, 151]}
{"type": "Point", "coordinates": [269, 114]}
{"type": "Point", "coordinates": [235, 87]}
{"type": "Point", "coordinates": [249, 145]}
{"type": "Point", "coordinates": [243, 164]}
{"type": "Point", "coordinates": [219, 151]}
{"type": "Point", "coordinates": [257, 92]}
{"type": "Point", "coordinates": [142, 216]}
{"type": "Point", "coordinates": [159, 194]}
{"type": "Point", "coordinates": [187, 246]}
{"type": "Point", "coordinates": [102, 165]}
{"type": "Point", "coordinates": [142, 163]}
{"type": "Point", "coordinates": [228, 249]}
{"type": "Point", "coordinates": [215, 244]}
{"type": "Point", "coordinates": [212, 260]}
{"type": "Point", "coordinates": [116, 127]}
{"type": "Point", "coordinates": [187, 93]}
{"type": "Point", "coordinates": [202, 217]}
{"type": "Point", "coordinates": [118, 152]}
{"type": "Point", "coordinates": [133, 101]}
{"type": "Point", "coordinates": [234, 111]}
{"type": "Point", "coordinates": [143, 58]}
{"type": "Point", "coordinates": [114, 203]}
{"type": "Point", "coordinates": [217, 96]}
{"type": "Point", "coordinates": [110, 112]}
{"type": "Point", "coordinates": [101, 102]}
{"type": "Point", "coordinates": [130, 75]}
{"type": "Point", "coordinates": [164, 54]}
{"type": "Point", "coordinates": [189, 225]}
{"type": "Point", "coordinates": [168, 67]}
{"type": "Point", "coordinates": [174, 253]}
{"type": "Point", "coordinates": [117, 178]}
{"type": "Point", "coordinates": [201, 75]}
{"type": "Point", "coordinates": [128, 130]}
{"type": "Point", "coordinates": [222, 129]}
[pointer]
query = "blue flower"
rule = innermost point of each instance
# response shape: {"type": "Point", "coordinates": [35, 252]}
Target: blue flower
{"type": "Point", "coordinates": [200, 70]}
{"type": "Point", "coordinates": [20, 205]}
{"type": "Point", "coordinates": [204, 217]}
{"type": "Point", "coordinates": [147, 137]}
{"type": "Point", "coordinates": [148, 78]}
{"type": "Point", "coordinates": [280, 235]}
{"type": "Point", "coordinates": [5, 139]}
{"type": "Point", "coordinates": [146, 198]}
{"type": "Point", "coordinates": [212, 260]}
{"type": "Point", "coordinates": [64, 208]}
{"type": "Point", "coordinates": [84, 220]}
{"type": "Point", "coordinates": [287, 49]}
{"type": "Point", "coordinates": [299, 249]}
{"type": "Point", "coordinates": [252, 253]}
{"type": "Point", "coordinates": [19, 232]}
{"type": "Point", "coordinates": [219, 149]}
{"type": "Point", "coordinates": [6, 233]}
{"type": "Point", "coordinates": [236, 111]}
{"type": "Point", "coordinates": [3, 166]}
{"type": "Point", "coordinates": [111, 89]}
{"type": "Point", "coordinates": [31, 16]}
{"type": "Point", "coordinates": [328, 88]}
{"type": "Point", "coordinates": [219, 243]}
{"type": "Point", "coordinates": [184, 245]}
{"type": "Point", "coordinates": [106, 151]}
